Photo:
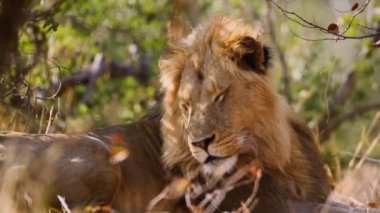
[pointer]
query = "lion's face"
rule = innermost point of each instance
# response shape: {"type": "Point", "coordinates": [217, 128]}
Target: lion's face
{"type": "Point", "coordinates": [219, 105]}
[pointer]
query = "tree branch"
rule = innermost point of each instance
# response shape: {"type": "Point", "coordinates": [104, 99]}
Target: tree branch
{"type": "Point", "coordinates": [308, 24]}
{"type": "Point", "coordinates": [47, 9]}
{"type": "Point", "coordinates": [356, 112]}
{"type": "Point", "coordinates": [92, 72]}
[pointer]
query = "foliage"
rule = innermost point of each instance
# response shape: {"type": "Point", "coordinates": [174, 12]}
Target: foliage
{"type": "Point", "coordinates": [322, 63]}
{"type": "Point", "coordinates": [129, 32]}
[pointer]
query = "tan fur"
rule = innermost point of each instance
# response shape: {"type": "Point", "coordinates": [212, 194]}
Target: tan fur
{"type": "Point", "coordinates": [251, 121]}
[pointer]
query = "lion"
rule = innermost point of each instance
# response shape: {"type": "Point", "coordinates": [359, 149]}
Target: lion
{"type": "Point", "coordinates": [36, 168]}
{"type": "Point", "coordinates": [221, 112]}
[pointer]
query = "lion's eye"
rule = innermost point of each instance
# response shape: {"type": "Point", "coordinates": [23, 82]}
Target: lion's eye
{"type": "Point", "coordinates": [220, 97]}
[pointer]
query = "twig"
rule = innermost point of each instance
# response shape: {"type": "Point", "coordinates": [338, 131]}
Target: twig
{"type": "Point", "coordinates": [188, 200]}
{"type": "Point", "coordinates": [98, 67]}
{"type": "Point", "coordinates": [92, 72]}
{"type": "Point", "coordinates": [374, 122]}
{"type": "Point", "coordinates": [175, 190]}
{"type": "Point", "coordinates": [10, 90]}
{"type": "Point", "coordinates": [366, 158]}
{"type": "Point", "coordinates": [340, 97]}
{"type": "Point", "coordinates": [361, 10]}
{"type": "Point", "coordinates": [335, 39]}
{"type": "Point", "coordinates": [366, 27]}
{"type": "Point", "coordinates": [250, 201]}
{"type": "Point", "coordinates": [65, 207]}
{"type": "Point", "coordinates": [47, 9]}
{"type": "Point", "coordinates": [41, 120]}
{"type": "Point", "coordinates": [308, 24]}
{"type": "Point", "coordinates": [49, 120]}
{"type": "Point", "coordinates": [369, 150]}
{"type": "Point", "coordinates": [356, 112]}
{"type": "Point", "coordinates": [358, 148]}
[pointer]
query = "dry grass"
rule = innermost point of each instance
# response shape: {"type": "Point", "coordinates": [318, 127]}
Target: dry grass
{"type": "Point", "coordinates": [356, 184]}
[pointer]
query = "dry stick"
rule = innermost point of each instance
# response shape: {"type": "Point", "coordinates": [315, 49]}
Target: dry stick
{"type": "Point", "coordinates": [219, 195]}
{"type": "Point", "coordinates": [229, 185]}
{"type": "Point", "coordinates": [358, 148]}
{"type": "Point", "coordinates": [363, 139]}
{"type": "Point", "coordinates": [358, 157]}
{"type": "Point", "coordinates": [212, 200]}
{"type": "Point", "coordinates": [188, 199]}
{"type": "Point", "coordinates": [42, 119]}
{"type": "Point", "coordinates": [201, 189]}
{"type": "Point", "coordinates": [158, 198]}
{"type": "Point", "coordinates": [250, 201]}
{"type": "Point", "coordinates": [374, 122]}
{"type": "Point", "coordinates": [355, 112]}
{"type": "Point", "coordinates": [98, 67]}
{"type": "Point", "coordinates": [65, 207]}
{"type": "Point", "coordinates": [369, 150]}
{"type": "Point", "coordinates": [176, 189]}
{"type": "Point", "coordinates": [50, 119]}
{"type": "Point", "coordinates": [338, 172]}
{"type": "Point", "coordinates": [54, 95]}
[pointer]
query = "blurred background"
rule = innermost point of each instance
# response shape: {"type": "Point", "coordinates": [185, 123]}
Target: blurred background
{"type": "Point", "coordinates": [71, 66]}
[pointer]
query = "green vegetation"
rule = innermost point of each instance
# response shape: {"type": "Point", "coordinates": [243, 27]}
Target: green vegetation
{"type": "Point", "coordinates": [62, 39]}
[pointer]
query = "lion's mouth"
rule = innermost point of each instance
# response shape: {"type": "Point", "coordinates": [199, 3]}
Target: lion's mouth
{"type": "Point", "coordinates": [219, 166]}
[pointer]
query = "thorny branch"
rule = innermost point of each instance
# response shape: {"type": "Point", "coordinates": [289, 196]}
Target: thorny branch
{"type": "Point", "coordinates": [293, 16]}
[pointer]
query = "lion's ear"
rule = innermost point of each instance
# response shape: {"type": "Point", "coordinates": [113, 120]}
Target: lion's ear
{"type": "Point", "coordinates": [251, 55]}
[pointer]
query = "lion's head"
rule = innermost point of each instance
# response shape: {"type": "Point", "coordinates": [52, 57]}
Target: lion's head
{"type": "Point", "coordinates": [221, 110]}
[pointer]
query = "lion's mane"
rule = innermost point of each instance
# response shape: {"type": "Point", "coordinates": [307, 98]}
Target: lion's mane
{"type": "Point", "coordinates": [280, 140]}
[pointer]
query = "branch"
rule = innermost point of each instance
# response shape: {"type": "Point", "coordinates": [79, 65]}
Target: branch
{"type": "Point", "coordinates": [340, 97]}
{"type": "Point", "coordinates": [89, 75]}
{"type": "Point", "coordinates": [47, 9]}
{"type": "Point", "coordinates": [308, 24]}
{"type": "Point", "coordinates": [356, 112]}
{"type": "Point", "coordinates": [327, 128]}
{"type": "Point", "coordinates": [97, 69]}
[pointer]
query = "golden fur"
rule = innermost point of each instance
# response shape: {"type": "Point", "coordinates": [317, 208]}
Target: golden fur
{"type": "Point", "coordinates": [219, 101]}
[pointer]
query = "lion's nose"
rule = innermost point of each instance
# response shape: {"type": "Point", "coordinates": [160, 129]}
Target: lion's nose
{"type": "Point", "coordinates": [203, 143]}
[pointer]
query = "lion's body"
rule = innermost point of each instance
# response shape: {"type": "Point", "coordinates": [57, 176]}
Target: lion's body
{"type": "Point", "coordinates": [77, 167]}
{"type": "Point", "coordinates": [221, 113]}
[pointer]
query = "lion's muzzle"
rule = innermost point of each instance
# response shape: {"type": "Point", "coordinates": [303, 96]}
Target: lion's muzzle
{"type": "Point", "coordinates": [204, 142]}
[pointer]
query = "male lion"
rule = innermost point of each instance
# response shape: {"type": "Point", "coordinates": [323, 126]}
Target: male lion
{"type": "Point", "coordinates": [221, 113]}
